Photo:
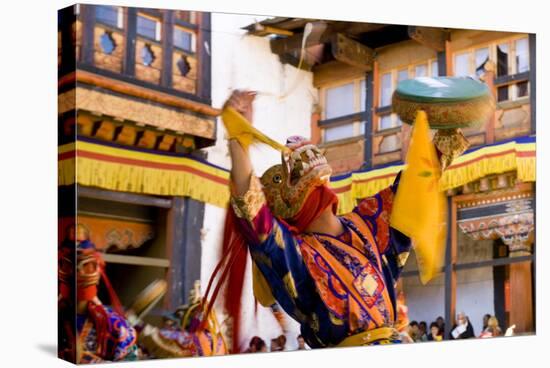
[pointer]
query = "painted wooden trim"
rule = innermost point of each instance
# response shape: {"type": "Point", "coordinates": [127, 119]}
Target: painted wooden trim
{"type": "Point", "coordinates": [520, 188]}
{"type": "Point", "coordinates": [442, 62]}
{"type": "Point", "coordinates": [384, 110]}
{"type": "Point", "coordinates": [341, 120]}
{"type": "Point", "coordinates": [468, 266]}
{"type": "Point", "coordinates": [185, 220]}
{"type": "Point", "coordinates": [184, 24]}
{"type": "Point", "coordinates": [376, 94]}
{"type": "Point", "coordinates": [122, 197]}
{"type": "Point", "coordinates": [514, 78]}
{"type": "Point", "coordinates": [450, 273]}
{"type": "Point", "coordinates": [203, 49]}
{"type": "Point", "coordinates": [132, 89]}
{"type": "Point", "coordinates": [167, 47]}
{"type": "Point", "coordinates": [369, 85]}
{"type": "Point", "coordinates": [150, 12]}
{"type": "Point", "coordinates": [136, 261]}
{"type": "Point", "coordinates": [431, 37]}
{"type": "Point", "coordinates": [68, 51]}
{"type": "Point", "coordinates": [387, 131]}
{"type": "Point", "coordinates": [87, 16]}
{"type": "Point", "coordinates": [533, 80]}
{"type": "Point", "coordinates": [130, 26]}
{"type": "Point", "coordinates": [493, 262]}
{"type": "Point", "coordinates": [448, 58]}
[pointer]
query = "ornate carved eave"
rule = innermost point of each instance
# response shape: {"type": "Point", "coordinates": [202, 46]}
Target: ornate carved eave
{"type": "Point", "coordinates": [508, 216]}
{"type": "Point", "coordinates": [108, 234]}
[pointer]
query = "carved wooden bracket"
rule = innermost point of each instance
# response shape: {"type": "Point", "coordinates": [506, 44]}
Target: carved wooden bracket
{"type": "Point", "coordinates": [351, 52]}
{"type": "Point", "coordinates": [431, 37]}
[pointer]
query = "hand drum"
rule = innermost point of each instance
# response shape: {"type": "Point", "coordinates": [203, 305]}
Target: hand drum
{"type": "Point", "coordinates": [449, 102]}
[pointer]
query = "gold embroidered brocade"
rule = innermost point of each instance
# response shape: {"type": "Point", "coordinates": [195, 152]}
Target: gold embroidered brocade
{"type": "Point", "coordinates": [249, 204]}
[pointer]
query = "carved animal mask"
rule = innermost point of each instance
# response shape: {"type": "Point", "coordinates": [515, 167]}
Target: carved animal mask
{"type": "Point", "coordinates": [288, 185]}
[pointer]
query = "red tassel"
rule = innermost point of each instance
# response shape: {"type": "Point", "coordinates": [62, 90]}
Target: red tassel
{"type": "Point", "coordinates": [232, 267]}
{"type": "Point", "coordinates": [115, 301]}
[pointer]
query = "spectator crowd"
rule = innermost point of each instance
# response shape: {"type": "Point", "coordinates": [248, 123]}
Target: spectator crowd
{"type": "Point", "coordinates": [415, 332]}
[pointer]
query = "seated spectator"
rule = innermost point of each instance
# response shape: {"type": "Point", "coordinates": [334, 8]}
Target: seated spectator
{"type": "Point", "coordinates": [441, 324]}
{"type": "Point", "coordinates": [462, 329]}
{"type": "Point", "coordinates": [275, 345]}
{"type": "Point", "coordinates": [301, 343]}
{"type": "Point", "coordinates": [423, 327]}
{"type": "Point", "coordinates": [261, 347]}
{"type": "Point", "coordinates": [282, 342]}
{"type": "Point", "coordinates": [405, 338]}
{"type": "Point", "coordinates": [492, 329]}
{"type": "Point", "coordinates": [256, 345]}
{"type": "Point", "coordinates": [414, 332]}
{"type": "Point", "coordinates": [485, 321]}
{"type": "Point", "coordinates": [434, 334]}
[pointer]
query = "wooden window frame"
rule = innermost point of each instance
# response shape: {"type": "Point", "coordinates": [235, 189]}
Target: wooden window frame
{"type": "Point", "coordinates": [193, 34]}
{"type": "Point", "coordinates": [201, 31]}
{"type": "Point", "coordinates": [158, 29]}
{"type": "Point", "coordinates": [513, 77]}
{"type": "Point", "coordinates": [380, 110]}
{"type": "Point", "coordinates": [120, 17]}
{"type": "Point", "coordinates": [343, 120]}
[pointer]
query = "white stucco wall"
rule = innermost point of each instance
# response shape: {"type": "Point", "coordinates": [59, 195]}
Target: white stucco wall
{"type": "Point", "coordinates": [246, 62]}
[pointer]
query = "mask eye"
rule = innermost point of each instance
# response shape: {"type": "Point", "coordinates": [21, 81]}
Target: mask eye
{"type": "Point", "coordinates": [277, 179]}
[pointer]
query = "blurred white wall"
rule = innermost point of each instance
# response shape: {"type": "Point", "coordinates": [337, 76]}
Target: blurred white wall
{"type": "Point", "coordinates": [246, 62]}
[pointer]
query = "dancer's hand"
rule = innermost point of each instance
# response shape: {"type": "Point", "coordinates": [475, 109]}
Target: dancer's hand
{"type": "Point", "coordinates": [242, 102]}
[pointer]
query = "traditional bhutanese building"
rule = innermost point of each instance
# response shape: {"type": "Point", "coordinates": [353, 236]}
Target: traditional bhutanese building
{"type": "Point", "coordinates": [134, 113]}
{"type": "Point", "coordinates": [489, 266]}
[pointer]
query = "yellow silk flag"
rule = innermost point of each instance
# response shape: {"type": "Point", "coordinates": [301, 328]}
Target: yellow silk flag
{"type": "Point", "coordinates": [420, 208]}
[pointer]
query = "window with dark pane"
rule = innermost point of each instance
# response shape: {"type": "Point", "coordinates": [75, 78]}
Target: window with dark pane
{"type": "Point", "coordinates": [107, 42]}
{"type": "Point", "coordinates": [502, 59]}
{"type": "Point", "coordinates": [183, 65]}
{"type": "Point", "coordinates": [147, 55]}
{"type": "Point", "coordinates": [147, 27]}
{"type": "Point", "coordinates": [183, 39]}
{"type": "Point", "coordinates": [522, 89]}
{"type": "Point", "coordinates": [502, 94]}
{"type": "Point", "coordinates": [435, 69]}
{"type": "Point", "coordinates": [481, 58]}
{"type": "Point", "coordinates": [107, 15]}
{"type": "Point", "coordinates": [522, 55]}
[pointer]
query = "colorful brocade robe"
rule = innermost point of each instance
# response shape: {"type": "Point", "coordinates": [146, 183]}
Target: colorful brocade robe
{"type": "Point", "coordinates": [334, 287]}
{"type": "Point", "coordinates": [114, 340]}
